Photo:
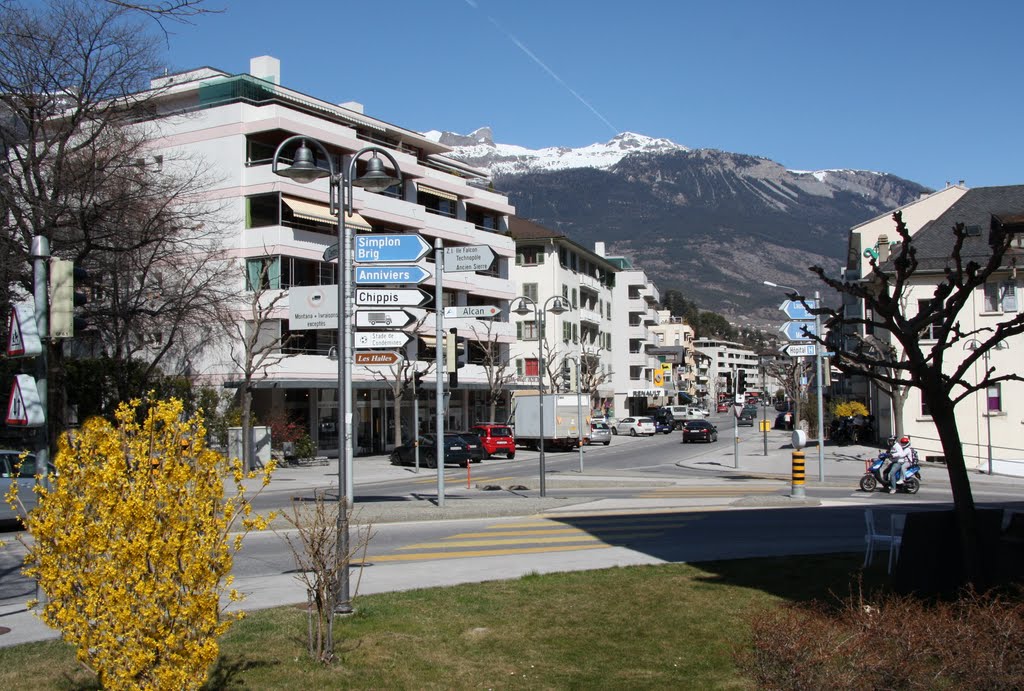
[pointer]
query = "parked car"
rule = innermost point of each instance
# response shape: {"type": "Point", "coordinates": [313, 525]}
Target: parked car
{"type": "Point", "coordinates": [746, 418]}
{"type": "Point", "coordinates": [600, 433]}
{"type": "Point", "coordinates": [634, 426]}
{"type": "Point", "coordinates": [663, 426]}
{"type": "Point", "coordinates": [456, 451]}
{"type": "Point", "coordinates": [473, 441]}
{"type": "Point", "coordinates": [25, 478]}
{"type": "Point", "coordinates": [723, 408]}
{"type": "Point", "coordinates": [497, 439]}
{"type": "Point", "coordinates": [699, 430]}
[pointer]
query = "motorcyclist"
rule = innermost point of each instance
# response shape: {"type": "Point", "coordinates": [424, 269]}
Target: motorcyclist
{"type": "Point", "coordinates": [902, 454]}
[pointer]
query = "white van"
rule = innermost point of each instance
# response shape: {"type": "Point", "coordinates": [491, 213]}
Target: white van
{"type": "Point", "coordinates": [685, 412]}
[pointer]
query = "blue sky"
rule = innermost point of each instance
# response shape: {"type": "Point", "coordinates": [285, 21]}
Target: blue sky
{"type": "Point", "coordinates": [927, 90]}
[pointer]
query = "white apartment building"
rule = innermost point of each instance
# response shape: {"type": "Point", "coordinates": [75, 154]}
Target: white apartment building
{"type": "Point", "coordinates": [724, 359]}
{"type": "Point", "coordinates": [235, 122]}
{"type": "Point", "coordinates": [550, 268]}
{"type": "Point", "coordinates": [634, 302]}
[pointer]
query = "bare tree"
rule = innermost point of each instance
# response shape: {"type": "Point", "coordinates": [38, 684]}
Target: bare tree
{"type": "Point", "coordinates": [260, 344]}
{"type": "Point", "coordinates": [591, 374]}
{"type": "Point", "coordinates": [80, 170]}
{"type": "Point", "coordinates": [927, 364]}
{"type": "Point", "coordinates": [896, 393]}
{"type": "Point", "coordinates": [497, 368]}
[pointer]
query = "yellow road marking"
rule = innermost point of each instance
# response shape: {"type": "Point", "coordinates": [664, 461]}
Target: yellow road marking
{"type": "Point", "coordinates": [424, 556]}
{"type": "Point", "coordinates": [549, 531]}
{"type": "Point", "coordinates": [620, 519]}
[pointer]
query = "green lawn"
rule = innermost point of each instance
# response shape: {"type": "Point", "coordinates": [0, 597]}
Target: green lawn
{"type": "Point", "coordinates": [672, 626]}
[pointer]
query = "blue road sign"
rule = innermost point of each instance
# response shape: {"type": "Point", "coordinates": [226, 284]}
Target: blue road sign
{"type": "Point", "coordinates": [794, 331]}
{"type": "Point", "coordinates": [371, 248]}
{"type": "Point", "coordinates": [795, 309]}
{"type": "Point", "coordinates": [384, 275]}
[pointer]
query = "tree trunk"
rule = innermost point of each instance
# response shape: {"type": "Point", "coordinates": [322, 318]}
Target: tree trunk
{"type": "Point", "coordinates": [397, 417]}
{"type": "Point", "coordinates": [963, 500]}
{"type": "Point", "coordinates": [246, 428]}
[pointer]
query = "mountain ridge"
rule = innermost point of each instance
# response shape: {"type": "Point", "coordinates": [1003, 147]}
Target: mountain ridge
{"type": "Point", "coordinates": [710, 223]}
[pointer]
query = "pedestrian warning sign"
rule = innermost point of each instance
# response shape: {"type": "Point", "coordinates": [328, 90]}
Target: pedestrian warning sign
{"type": "Point", "coordinates": [25, 409]}
{"type": "Point", "coordinates": [22, 332]}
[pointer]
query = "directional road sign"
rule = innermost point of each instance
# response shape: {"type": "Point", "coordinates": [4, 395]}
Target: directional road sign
{"type": "Point", "coordinates": [795, 309]}
{"type": "Point", "coordinates": [391, 297]}
{"type": "Point", "coordinates": [377, 358]}
{"type": "Point", "coordinates": [381, 339]}
{"type": "Point", "coordinates": [380, 275]}
{"type": "Point", "coordinates": [331, 253]}
{"type": "Point", "coordinates": [794, 330]}
{"type": "Point", "coordinates": [371, 248]}
{"type": "Point", "coordinates": [468, 258]}
{"type": "Point", "coordinates": [800, 349]}
{"type": "Point", "coordinates": [383, 319]}
{"type": "Point", "coordinates": [471, 312]}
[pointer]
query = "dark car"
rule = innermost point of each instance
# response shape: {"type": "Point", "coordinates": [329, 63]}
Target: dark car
{"type": "Point", "coordinates": [665, 421]}
{"type": "Point", "coordinates": [699, 430]}
{"type": "Point", "coordinates": [782, 423]}
{"type": "Point", "coordinates": [496, 439]}
{"type": "Point", "coordinates": [456, 451]}
{"type": "Point", "coordinates": [663, 425]}
{"type": "Point", "coordinates": [746, 419]}
{"type": "Point", "coordinates": [477, 452]}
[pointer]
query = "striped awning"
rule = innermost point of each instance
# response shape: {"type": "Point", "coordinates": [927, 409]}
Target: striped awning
{"type": "Point", "coordinates": [437, 193]}
{"type": "Point", "coordinates": [313, 211]}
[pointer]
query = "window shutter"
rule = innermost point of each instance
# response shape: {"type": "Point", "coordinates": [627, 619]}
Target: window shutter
{"type": "Point", "coordinates": [519, 367]}
{"type": "Point", "coordinates": [519, 260]}
{"type": "Point", "coordinates": [519, 331]}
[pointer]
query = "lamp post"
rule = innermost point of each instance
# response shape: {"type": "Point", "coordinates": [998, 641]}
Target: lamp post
{"type": "Point", "coordinates": [579, 409]}
{"type": "Point", "coordinates": [305, 169]}
{"type": "Point", "coordinates": [527, 306]}
{"type": "Point", "coordinates": [764, 403]}
{"type": "Point", "coordinates": [794, 294]}
{"type": "Point", "coordinates": [974, 344]}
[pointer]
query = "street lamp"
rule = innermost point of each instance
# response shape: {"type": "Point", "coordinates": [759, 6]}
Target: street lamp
{"type": "Point", "coordinates": [303, 170]}
{"type": "Point", "coordinates": [579, 408]}
{"type": "Point", "coordinates": [974, 344]}
{"type": "Point", "coordinates": [526, 307]}
{"type": "Point", "coordinates": [794, 294]}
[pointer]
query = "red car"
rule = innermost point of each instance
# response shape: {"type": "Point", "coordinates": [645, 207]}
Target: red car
{"type": "Point", "coordinates": [496, 439]}
{"type": "Point", "coordinates": [723, 407]}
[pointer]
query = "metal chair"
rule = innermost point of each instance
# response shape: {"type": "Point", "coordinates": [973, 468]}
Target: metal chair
{"type": "Point", "coordinates": [897, 521]}
{"type": "Point", "coordinates": [874, 539]}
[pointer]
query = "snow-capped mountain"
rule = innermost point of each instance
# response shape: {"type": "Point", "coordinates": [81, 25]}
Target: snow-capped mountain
{"type": "Point", "coordinates": [479, 150]}
{"type": "Point", "coordinates": [710, 223]}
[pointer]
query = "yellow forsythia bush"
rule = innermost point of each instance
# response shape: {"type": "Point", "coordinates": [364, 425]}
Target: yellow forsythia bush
{"type": "Point", "coordinates": [131, 546]}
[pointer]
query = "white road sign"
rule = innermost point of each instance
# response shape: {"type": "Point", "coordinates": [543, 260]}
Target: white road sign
{"type": "Point", "coordinates": [383, 319]}
{"type": "Point", "coordinates": [800, 349]}
{"type": "Point", "coordinates": [468, 258]}
{"type": "Point", "coordinates": [391, 297]}
{"type": "Point", "coordinates": [312, 307]}
{"type": "Point", "coordinates": [470, 312]}
{"type": "Point", "coordinates": [381, 339]}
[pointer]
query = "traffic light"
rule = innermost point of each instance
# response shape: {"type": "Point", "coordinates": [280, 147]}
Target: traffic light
{"type": "Point", "coordinates": [64, 298]}
{"type": "Point", "coordinates": [454, 356]}
{"type": "Point", "coordinates": [741, 381]}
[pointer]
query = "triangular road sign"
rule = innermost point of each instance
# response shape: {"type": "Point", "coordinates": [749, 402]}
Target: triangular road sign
{"type": "Point", "coordinates": [24, 408]}
{"type": "Point", "coordinates": [23, 334]}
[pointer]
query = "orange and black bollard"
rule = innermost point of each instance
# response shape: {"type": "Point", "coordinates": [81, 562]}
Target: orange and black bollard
{"type": "Point", "coordinates": [798, 473]}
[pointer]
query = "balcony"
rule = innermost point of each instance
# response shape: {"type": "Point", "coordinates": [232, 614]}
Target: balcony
{"type": "Point", "coordinates": [590, 316]}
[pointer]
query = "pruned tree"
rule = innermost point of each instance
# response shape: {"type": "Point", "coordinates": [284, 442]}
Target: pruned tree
{"type": "Point", "coordinates": [788, 373]}
{"type": "Point", "coordinates": [80, 170]}
{"type": "Point", "coordinates": [259, 344]}
{"type": "Point", "coordinates": [936, 365]}
{"type": "Point", "coordinates": [896, 392]}
{"type": "Point", "coordinates": [592, 376]}
{"type": "Point", "coordinates": [494, 360]}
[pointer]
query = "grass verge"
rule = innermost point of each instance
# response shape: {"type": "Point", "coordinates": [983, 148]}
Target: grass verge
{"type": "Point", "coordinates": [672, 626]}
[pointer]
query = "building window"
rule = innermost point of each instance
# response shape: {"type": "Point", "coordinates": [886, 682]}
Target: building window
{"type": "Point", "coordinates": [531, 367]}
{"type": "Point", "coordinates": [530, 256]}
{"type": "Point", "coordinates": [930, 332]}
{"type": "Point", "coordinates": [530, 291]}
{"type": "Point", "coordinates": [1001, 296]}
{"type": "Point", "coordinates": [925, 411]}
{"type": "Point", "coordinates": [526, 331]}
{"type": "Point", "coordinates": [995, 398]}
{"type": "Point", "coordinates": [263, 273]}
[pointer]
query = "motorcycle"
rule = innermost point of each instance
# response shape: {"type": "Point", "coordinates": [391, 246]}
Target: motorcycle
{"type": "Point", "coordinates": [878, 474]}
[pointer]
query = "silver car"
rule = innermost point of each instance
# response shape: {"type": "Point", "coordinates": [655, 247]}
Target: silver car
{"type": "Point", "coordinates": [600, 433]}
{"type": "Point", "coordinates": [26, 479]}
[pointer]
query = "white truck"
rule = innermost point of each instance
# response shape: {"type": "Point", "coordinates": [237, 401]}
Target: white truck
{"type": "Point", "coordinates": [561, 423]}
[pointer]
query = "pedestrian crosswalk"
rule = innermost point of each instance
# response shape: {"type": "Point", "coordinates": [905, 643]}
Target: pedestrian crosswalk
{"type": "Point", "coordinates": [542, 536]}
